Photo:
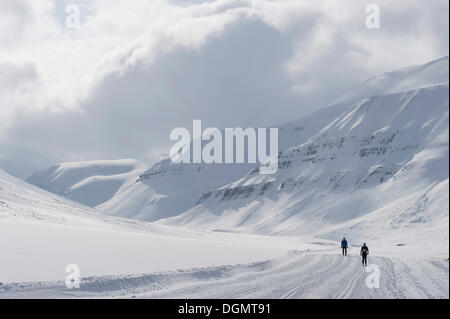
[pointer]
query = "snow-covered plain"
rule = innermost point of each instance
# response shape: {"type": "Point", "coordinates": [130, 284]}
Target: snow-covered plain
{"type": "Point", "coordinates": [121, 258]}
{"type": "Point", "coordinates": [373, 167]}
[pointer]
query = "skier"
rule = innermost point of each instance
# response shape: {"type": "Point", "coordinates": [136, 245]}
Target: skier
{"type": "Point", "coordinates": [344, 246]}
{"type": "Point", "coordinates": [364, 254]}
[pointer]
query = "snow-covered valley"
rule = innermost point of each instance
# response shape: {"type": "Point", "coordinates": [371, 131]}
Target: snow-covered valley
{"type": "Point", "coordinates": [372, 167]}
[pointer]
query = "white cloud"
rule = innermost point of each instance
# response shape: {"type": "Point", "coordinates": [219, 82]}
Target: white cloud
{"type": "Point", "coordinates": [295, 54]}
{"type": "Point", "coordinates": [112, 38]}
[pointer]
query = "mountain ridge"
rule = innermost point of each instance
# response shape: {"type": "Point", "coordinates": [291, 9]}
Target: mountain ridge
{"type": "Point", "coordinates": [372, 141]}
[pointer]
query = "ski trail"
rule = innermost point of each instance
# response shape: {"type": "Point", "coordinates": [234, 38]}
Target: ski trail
{"type": "Point", "coordinates": [297, 275]}
{"type": "Point", "coordinates": [350, 286]}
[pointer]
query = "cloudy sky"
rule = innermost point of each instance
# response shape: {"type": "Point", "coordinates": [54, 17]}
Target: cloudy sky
{"type": "Point", "coordinates": [116, 85]}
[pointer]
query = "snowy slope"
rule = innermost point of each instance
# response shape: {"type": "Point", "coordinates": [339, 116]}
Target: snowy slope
{"type": "Point", "coordinates": [41, 233]}
{"type": "Point", "coordinates": [167, 189]}
{"type": "Point", "coordinates": [90, 183]}
{"type": "Point", "coordinates": [374, 170]}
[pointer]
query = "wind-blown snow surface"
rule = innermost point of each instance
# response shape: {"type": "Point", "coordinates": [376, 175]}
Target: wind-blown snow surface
{"type": "Point", "coordinates": [90, 183]}
{"type": "Point", "coordinates": [372, 167]}
{"type": "Point", "coordinates": [401, 80]}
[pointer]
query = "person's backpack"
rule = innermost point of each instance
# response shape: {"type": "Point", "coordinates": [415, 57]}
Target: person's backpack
{"type": "Point", "coordinates": [365, 250]}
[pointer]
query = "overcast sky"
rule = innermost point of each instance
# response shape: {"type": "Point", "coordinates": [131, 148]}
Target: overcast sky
{"type": "Point", "coordinates": [116, 86]}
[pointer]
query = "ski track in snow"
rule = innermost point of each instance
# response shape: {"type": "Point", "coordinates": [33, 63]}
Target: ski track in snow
{"type": "Point", "coordinates": [298, 275]}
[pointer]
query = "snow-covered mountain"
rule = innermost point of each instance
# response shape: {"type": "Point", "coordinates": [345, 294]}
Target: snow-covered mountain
{"type": "Point", "coordinates": [22, 201]}
{"type": "Point", "coordinates": [372, 164]}
{"type": "Point", "coordinates": [377, 170]}
{"type": "Point", "coordinates": [90, 183]}
{"type": "Point", "coordinates": [384, 145]}
{"type": "Point", "coordinates": [400, 80]}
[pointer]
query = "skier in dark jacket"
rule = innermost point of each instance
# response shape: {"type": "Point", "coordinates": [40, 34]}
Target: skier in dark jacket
{"type": "Point", "coordinates": [344, 246]}
{"type": "Point", "coordinates": [364, 254]}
